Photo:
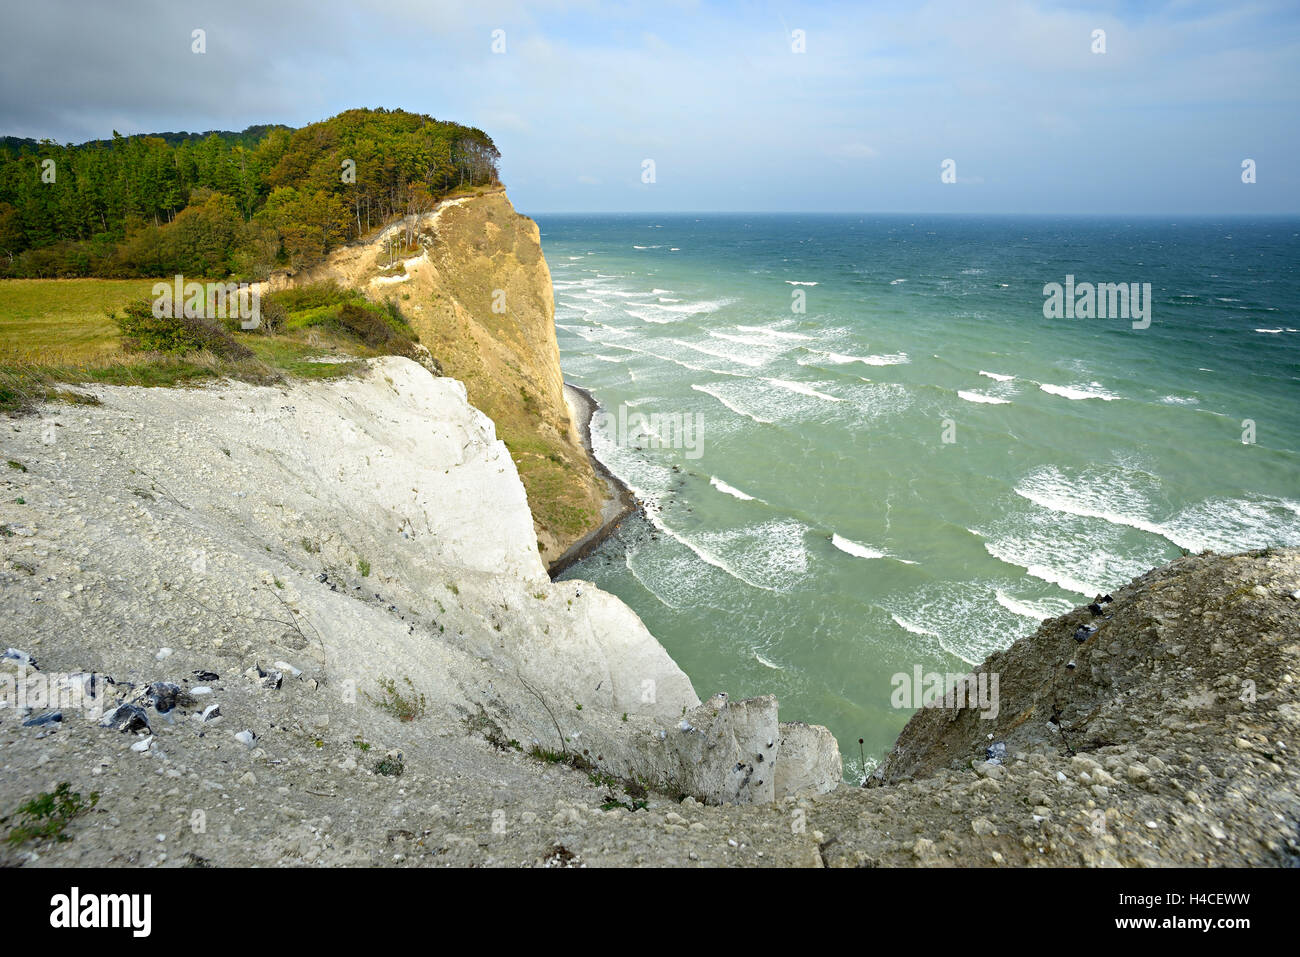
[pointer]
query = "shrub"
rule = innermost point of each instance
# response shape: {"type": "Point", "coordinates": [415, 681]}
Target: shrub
{"type": "Point", "coordinates": [142, 331]}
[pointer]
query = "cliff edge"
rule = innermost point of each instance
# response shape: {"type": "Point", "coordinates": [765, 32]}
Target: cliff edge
{"type": "Point", "coordinates": [474, 285]}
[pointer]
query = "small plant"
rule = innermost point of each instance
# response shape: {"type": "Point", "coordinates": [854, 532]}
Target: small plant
{"type": "Point", "coordinates": [49, 814]}
{"type": "Point", "coordinates": [390, 767]}
{"type": "Point", "coordinates": [360, 745]}
{"type": "Point", "coordinates": [453, 588]}
{"type": "Point", "coordinates": [625, 716]}
{"type": "Point", "coordinates": [17, 466]}
{"type": "Point", "coordinates": [612, 802]}
{"type": "Point", "coordinates": [578, 706]}
{"type": "Point", "coordinates": [363, 567]}
{"type": "Point", "coordinates": [401, 706]}
{"type": "Point", "coordinates": [310, 547]}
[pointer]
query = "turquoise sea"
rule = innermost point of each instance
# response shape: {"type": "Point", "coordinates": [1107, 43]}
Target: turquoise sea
{"type": "Point", "coordinates": [919, 466]}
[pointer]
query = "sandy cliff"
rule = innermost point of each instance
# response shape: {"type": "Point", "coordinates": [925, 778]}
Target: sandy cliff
{"type": "Point", "coordinates": [478, 293]}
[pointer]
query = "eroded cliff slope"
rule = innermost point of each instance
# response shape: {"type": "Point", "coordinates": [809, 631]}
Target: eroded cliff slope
{"type": "Point", "coordinates": [477, 290]}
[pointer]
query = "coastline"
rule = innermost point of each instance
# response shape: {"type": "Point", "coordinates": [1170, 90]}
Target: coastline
{"type": "Point", "coordinates": [619, 502]}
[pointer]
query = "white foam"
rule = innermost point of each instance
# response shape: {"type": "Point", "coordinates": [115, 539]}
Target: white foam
{"type": "Point", "coordinates": [1070, 392]}
{"type": "Point", "coordinates": [767, 664]}
{"type": "Point", "coordinates": [994, 375]}
{"type": "Point", "coordinates": [1269, 331]}
{"type": "Point", "coordinates": [731, 490]}
{"type": "Point", "coordinates": [912, 626]}
{"type": "Point", "coordinates": [854, 548]}
{"type": "Point", "coordinates": [803, 389]}
{"type": "Point", "coordinates": [895, 282]}
{"type": "Point", "coordinates": [795, 282]}
{"type": "Point", "coordinates": [839, 359]}
{"type": "Point", "coordinates": [733, 408]}
{"type": "Point", "coordinates": [1038, 611]}
{"type": "Point", "coordinates": [980, 397]}
{"type": "Point", "coordinates": [730, 357]}
{"type": "Point", "coordinates": [770, 331]}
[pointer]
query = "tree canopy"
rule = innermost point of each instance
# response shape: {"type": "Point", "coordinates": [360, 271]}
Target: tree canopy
{"type": "Point", "coordinates": [225, 204]}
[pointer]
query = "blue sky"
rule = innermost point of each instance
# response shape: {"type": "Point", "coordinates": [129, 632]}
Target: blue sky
{"type": "Point", "coordinates": [733, 118]}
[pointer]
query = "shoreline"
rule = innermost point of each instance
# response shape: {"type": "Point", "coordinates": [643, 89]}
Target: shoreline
{"type": "Point", "coordinates": [619, 502]}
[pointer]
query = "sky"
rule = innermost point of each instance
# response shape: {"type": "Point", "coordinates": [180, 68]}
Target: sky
{"type": "Point", "coordinates": [763, 106]}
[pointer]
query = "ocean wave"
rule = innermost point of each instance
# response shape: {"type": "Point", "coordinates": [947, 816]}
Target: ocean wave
{"type": "Point", "coordinates": [854, 548]}
{"type": "Point", "coordinates": [744, 360]}
{"type": "Point", "coordinates": [734, 408]}
{"type": "Point", "coordinates": [980, 397]}
{"type": "Point", "coordinates": [1036, 610]}
{"type": "Point", "coordinates": [1093, 391]}
{"type": "Point", "coordinates": [912, 626]}
{"type": "Point", "coordinates": [731, 490]}
{"type": "Point", "coordinates": [803, 389]}
{"type": "Point", "coordinates": [795, 282]}
{"type": "Point", "coordinates": [1118, 498]}
{"type": "Point", "coordinates": [840, 359]}
{"type": "Point", "coordinates": [996, 376]}
{"type": "Point", "coordinates": [770, 331]}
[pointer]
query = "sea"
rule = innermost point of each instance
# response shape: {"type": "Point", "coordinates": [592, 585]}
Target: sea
{"type": "Point", "coordinates": [868, 448]}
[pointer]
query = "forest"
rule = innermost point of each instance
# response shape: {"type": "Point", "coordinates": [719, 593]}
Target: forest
{"type": "Point", "coordinates": [222, 204]}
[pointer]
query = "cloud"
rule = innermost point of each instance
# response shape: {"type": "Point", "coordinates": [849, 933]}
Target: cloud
{"type": "Point", "coordinates": [732, 116]}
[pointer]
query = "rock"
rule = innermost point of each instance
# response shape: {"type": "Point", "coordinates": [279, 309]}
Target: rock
{"type": "Point", "coordinates": [126, 717]}
{"type": "Point", "coordinates": [21, 657]}
{"type": "Point", "coordinates": [163, 653]}
{"type": "Point", "coordinates": [206, 675]}
{"type": "Point", "coordinates": [247, 778]}
{"type": "Point", "coordinates": [142, 746]}
{"type": "Point", "coordinates": [996, 753]}
{"type": "Point", "coordinates": [211, 712]}
{"type": "Point", "coordinates": [267, 679]}
{"type": "Point", "coordinates": [808, 759]}
{"type": "Point", "coordinates": [1138, 774]}
{"type": "Point", "coordinates": [288, 668]}
{"type": "Point", "coordinates": [166, 696]}
{"type": "Point", "coordinates": [1084, 632]}
{"type": "Point", "coordinates": [201, 690]}
{"type": "Point", "coordinates": [49, 717]}
{"type": "Point", "coordinates": [246, 738]}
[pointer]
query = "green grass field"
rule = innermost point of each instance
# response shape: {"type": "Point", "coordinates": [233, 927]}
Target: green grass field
{"type": "Point", "coordinates": [63, 321]}
{"type": "Point", "coordinates": [56, 333]}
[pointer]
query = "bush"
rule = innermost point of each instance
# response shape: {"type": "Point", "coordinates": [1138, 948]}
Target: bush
{"type": "Point", "coordinates": [142, 331]}
{"type": "Point", "coordinates": [371, 325]}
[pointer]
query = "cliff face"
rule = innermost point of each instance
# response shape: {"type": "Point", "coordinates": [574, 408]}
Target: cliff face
{"type": "Point", "coordinates": [478, 293]}
{"type": "Point", "coordinates": [369, 540]}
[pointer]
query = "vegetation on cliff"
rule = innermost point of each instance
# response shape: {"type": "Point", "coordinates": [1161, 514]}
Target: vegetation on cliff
{"type": "Point", "coordinates": [224, 203]}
